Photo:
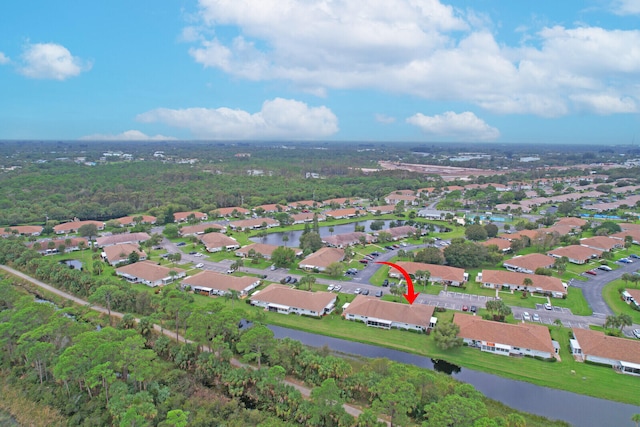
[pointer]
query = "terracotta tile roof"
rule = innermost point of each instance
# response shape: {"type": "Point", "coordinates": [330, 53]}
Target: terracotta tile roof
{"type": "Point", "coordinates": [576, 252]}
{"type": "Point", "coordinates": [146, 219]}
{"type": "Point", "coordinates": [122, 251]}
{"type": "Point", "coordinates": [199, 228]}
{"type": "Point", "coordinates": [624, 226]}
{"type": "Point", "coordinates": [561, 229]}
{"type": "Point", "coordinates": [500, 277]}
{"type": "Point", "coordinates": [400, 232]}
{"type": "Point", "coordinates": [531, 234]}
{"type": "Point", "coordinates": [217, 240]}
{"type": "Point", "coordinates": [601, 242]}
{"type": "Point", "coordinates": [414, 314]}
{"type": "Point", "coordinates": [596, 343]}
{"type": "Point", "coordinates": [323, 258]}
{"type": "Point", "coordinates": [182, 216]}
{"type": "Point", "coordinates": [229, 211]}
{"type": "Point", "coordinates": [307, 216]}
{"type": "Point", "coordinates": [346, 239]}
{"type": "Point", "coordinates": [523, 335]}
{"type": "Point", "coordinates": [221, 282]}
{"type": "Point", "coordinates": [253, 223]}
{"type": "Point", "coordinates": [502, 244]}
{"type": "Point", "coordinates": [273, 207]}
{"type": "Point", "coordinates": [264, 249]}
{"type": "Point", "coordinates": [341, 200]}
{"type": "Point", "coordinates": [284, 295]}
{"type": "Point", "coordinates": [635, 293]}
{"type": "Point", "coordinates": [572, 222]}
{"type": "Point", "coordinates": [148, 270]}
{"type": "Point", "coordinates": [116, 239]}
{"type": "Point", "coordinates": [305, 203]}
{"type": "Point", "coordinates": [75, 225]}
{"type": "Point", "coordinates": [635, 235]}
{"type": "Point", "coordinates": [530, 261]}
{"type": "Point", "coordinates": [382, 209]}
{"type": "Point", "coordinates": [341, 212]}
{"type": "Point", "coordinates": [25, 229]}
{"type": "Point", "coordinates": [442, 272]}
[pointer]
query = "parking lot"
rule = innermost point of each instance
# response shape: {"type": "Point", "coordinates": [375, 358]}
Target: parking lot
{"type": "Point", "coordinates": [547, 318]}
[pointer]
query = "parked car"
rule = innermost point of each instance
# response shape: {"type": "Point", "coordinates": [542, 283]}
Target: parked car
{"type": "Point", "coordinates": [536, 317]}
{"type": "Point", "coordinates": [193, 253]}
{"type": "Point", "coordinates": [337, 288]}
{"type": "Point", "coordinates": [273, 267]}
{"type": "Point", "coordinates": [385, 282]}
{"type": "Point", "coordinates": [198, 254]}
{"type": "Point", "coordinates": [330, 288]}
{"type": "Point", "coordinates": [526, 316]}
{"type": "Point", "coordinates": [473, 309]}
{"type": "Point", "coordinates": [465, 308]}
{"type": "Point", "coordinates": [636, 333]}
{"type": "Point", "coordinates": [364, 261]}
{"type": "Point", "coordinates": [293, 281]}
{"type": "Point", "coordinates": [635, 256]}
{"type": "Point", "coordinates": [199, 265]}
{"type": "Point", "coordinates": [181, 244]}
{"type": "Point", "coordinates": [287, 279]}
{"type": "Point", "coordinates": [230, 271]}
{"type": "Point", "coordinates": [365, 292]}
{"type": "Point", "coordinates": [605, 268]}
{"type": "Point", "coordinates": [591, 272]}
{"type": "Point", "coordinates": [625, 260]}
{"type": "Point", "coordinates": [389, 248]}
{"type": "Point", "coordinates": [547, 306]}
{"type": "Point", "coordinates": [357, 291]}
{"type": "Point", "coordinates": [379, 294]}
{"type": "Point", "coordinates": [376, 254]}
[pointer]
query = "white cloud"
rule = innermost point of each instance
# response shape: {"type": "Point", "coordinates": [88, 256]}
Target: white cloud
{"type": "Point", "coordinates": [278, 119]}
{"type": "Point", "coordinates": [4, 59]}
{"type": "Point", "coordinates": [383, 118]}
{"type": "Point", "coordinates": [605, 104]}
{"type": "Point", "coordinates": [626, 7]}
{"type": "Point", "coordinates": [129, 135]}
{"type": "Point", "coordinates": [419, 47]}
{"type": "Point", "coordinates": [51, 61]}
{"type": "Point", "coordinates": [458, 127]}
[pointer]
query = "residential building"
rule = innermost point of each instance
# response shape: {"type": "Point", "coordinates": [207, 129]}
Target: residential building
{"type": "Point", "coordinates": [398, 233]}
{"type": "Point", "coordinates": [126, 221]}
{"type": "Point", "coordinates": [321, 259]}
{"type": "Point", "coordinates": [385, 209]}
{"type": "Point", "coordinates": [631, 296]}
{"type": "Point", "coordinates": [216, 242]}
{"type": "Point", "coordinates": [602, 243]}
{"type": "Point", "coordinates": [347, 239]}
{"type": "Point", "coordinates": [522, 339]}
{"type": "Point", "coordinates": [233, 211]}
{"type": "Point", "coordinates": [116, 254]}
{"type": "Point", "coordinates": [51, 246]}
{"type": "Point", "coordinates": [622, 354]}
{"type": "Point", "coordinates": [272, 208]}
{"type": "Point", "coordinates": [253, 223]}
{"type": "Point", "coordinates": [201, 228]}
{"type": "Point", "coordinates": [572, 222]}
{"type": "Point", "coordinates": [499, 279]}
{"type": "Point", "coordinates": [117, 239]}
{"type": "Point", "coordinates": [74, 226]}
{"type": "Point", "coordinates": [23, 230]}
{"type": "Point", "coordinates": [343, 213]}
{"type": "Point", "coordinates": [285, 300]}
{"type": "Point", "coordinates": [184, 216]}
{"type": "Point", "coordinates": [529, 263]}
{"type": "Point", "coordinates": [451, 276]}
{"type": "Point", "coordinates": [394, 199]}
{"type": "Point", "coordinates": [211, 283]}
{"type": "Point", "coordinates": [262, 248]}
{"type": "Point", "coordinates": [304, 204]}
{"type": "Point", "coordinates": [150, 273]}
{"type": "Point", "coordinates": [386, 314]}
{"type": "Point", "coordinates": [634, 234]}
{"type": "Point", "coordinates": [341, 201]}
{"type": "Point", "coordinates": [576, 254]}
{"type": "Point", "coordinates": [502, 244]}
{"type": "Point", "coordinates": [301, 218]}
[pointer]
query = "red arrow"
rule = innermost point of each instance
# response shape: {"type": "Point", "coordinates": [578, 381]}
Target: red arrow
{"type": "Point", "coordinates": [410, 295]}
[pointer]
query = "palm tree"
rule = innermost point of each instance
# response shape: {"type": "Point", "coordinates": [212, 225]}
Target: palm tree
{"type": "Point", "coordinates": [636, 419]}
{"type": "Point", "coordinates": [232, 295]}
{"type": "Point", "coordinates": [285, 239]}
{"type": "Point", "coordinates": [624, 320]}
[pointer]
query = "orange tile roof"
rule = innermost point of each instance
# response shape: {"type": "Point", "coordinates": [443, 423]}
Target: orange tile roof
{"type": "Point", "coordinates": [596, 343]}
{"type": "Point", "coordinates": [501, 277]}
{"type": "Point", "coordinates": [148, 270]}
{"type": "Point", "coordinates": [284, 295]}
{"type": "Point", "coordinates": [523, 335]}
{"type": "Point", "coordinates": [323, 257]}
{"type": "Point", "coordinates": [442, 272]}
{"type": "Point", "coordinates": [576, 252]}
{"type": "Point", "coordinates": [502, 244]}
{"type": "Point", "coordinates": [530, 261]}
{"type": "Point", "coordinates": [414, 314]}
{"type": "Point", "coordinates": [220, 282]}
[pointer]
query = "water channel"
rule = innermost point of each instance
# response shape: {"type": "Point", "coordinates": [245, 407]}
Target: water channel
{"type": "Point", "coordinates": [576, 409]}
{"type": "Point", "coordinates": [294, 236]}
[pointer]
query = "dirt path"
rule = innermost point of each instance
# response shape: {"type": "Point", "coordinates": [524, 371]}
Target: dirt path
{"type": "Point", "coordinates": [305, 391]}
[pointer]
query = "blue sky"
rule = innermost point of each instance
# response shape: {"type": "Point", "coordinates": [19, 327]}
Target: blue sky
{"type": "Point", "coordinates": [348, 70]}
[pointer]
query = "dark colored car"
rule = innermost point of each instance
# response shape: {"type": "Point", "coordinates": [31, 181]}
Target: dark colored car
{"type": "Point", "coordinates": [591, 272]}
{"type": "Point", "coordinates": [365, 292]}
{"type": "Point", "coordinates": [473, 309]}
{"type": "Point", "coordinates": [635, 256]}
{"type": "Point", "coordinates": [364, 261]}
{"type": "Point", "coordinates": [379, 294]}
{"type": "Point", "coordinates": [181, 244]}
{"type": "Point", "coordinates": [385, 283]}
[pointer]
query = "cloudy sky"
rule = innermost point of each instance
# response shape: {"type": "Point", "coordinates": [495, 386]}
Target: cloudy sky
{"type": "Point", "coordinates": [348, 70]}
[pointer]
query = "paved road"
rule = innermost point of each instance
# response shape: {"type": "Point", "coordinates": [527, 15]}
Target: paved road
{"type": "Point", "coordinates": [305, 391]}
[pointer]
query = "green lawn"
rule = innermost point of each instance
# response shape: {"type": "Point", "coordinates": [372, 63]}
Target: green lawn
{"type": "Point", "coordinates": [612, 298]}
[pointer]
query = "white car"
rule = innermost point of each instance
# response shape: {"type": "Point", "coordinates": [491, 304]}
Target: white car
{"type": "Point", "coordinates": [337, 288]}
{"type": "Point", "coordinates": [636, 333]}
{"type": "Point", "coordinates": [330, 288]}
{"type": "Point", "coordinates": [199, 265]}
{"type": "Point", "coordinates": [547, 306]}
{"type": "Point", "coordinates": [198, 254]}
{"type": "Point", "coordinates": [536, 317]}
{"type": "Point", "coordinates": [357, 291]}
{"type": "Point", "coordinates": [526, 316]}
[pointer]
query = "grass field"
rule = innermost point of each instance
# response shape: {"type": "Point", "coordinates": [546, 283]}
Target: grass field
{"type": "Point", "coordinates": [612, 298]}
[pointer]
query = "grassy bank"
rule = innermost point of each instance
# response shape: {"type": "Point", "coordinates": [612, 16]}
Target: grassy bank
{"type": "Point", "coordinates": [25, 411]}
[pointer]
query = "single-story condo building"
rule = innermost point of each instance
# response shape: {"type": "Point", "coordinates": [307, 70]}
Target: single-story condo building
{"type": "Point", "coordinates": [529, 263]}
{"type": "Point", "coordinates": [23, 230]}
{"type": "Point", "coordinates": [301, 218]}
{"type": "Point", "coordinates": [131, 220]}
{"type": "Point", "coordinates": [118, 239]}
{"type": "Point", "coordinates": [211, 283]}
{"type": "Point", "coordinates": [283, 299]}
{"type": "Point", "coordinates": [216, 242]}
{"type": "Point", "coordinates": [184, 216]}
{"type": "Point", "coordinates": [262, 248]}
{"type": "Point", "coordinates": [344, 213]}
{"type": "Point", "coordinates": [321, 259]}
{"type": "Point", "coordinates": [387, 314]}
{"type": "Point", "coordinates": [201, 229]}
{"type": "Point", "coordinates": [602, 243]}
{"type": "Point", "coordinates": [499, 279]}
{"type": "Point", "coordinates": [576, 254]}
{"type": "Point", "coordinates": [74, 226]}
{"type": "Point", "coordinates": [233, 211]}
{"type": "Point", "coordinates": [451, 276]}
{"type": "Point", "coordinates": [622, 354]}
{"type": "Point", "coordinates": [502, 244]}
{"type": "Point", "coordinates": [253, 223]}
{"type": "Point", "coordinates": [521, 339]}
{"type": "Point", "coordinates": [150, 273]}
{"type": "Point", "coordinates": [347, 239]}
{"type": "Point", "coordinates": [631, 296]}
{"type": "Point", "coordinates": [115, 254]}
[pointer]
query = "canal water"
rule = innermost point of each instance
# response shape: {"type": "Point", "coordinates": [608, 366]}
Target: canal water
{"type": "Point", "coordinates": [576, 409]}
